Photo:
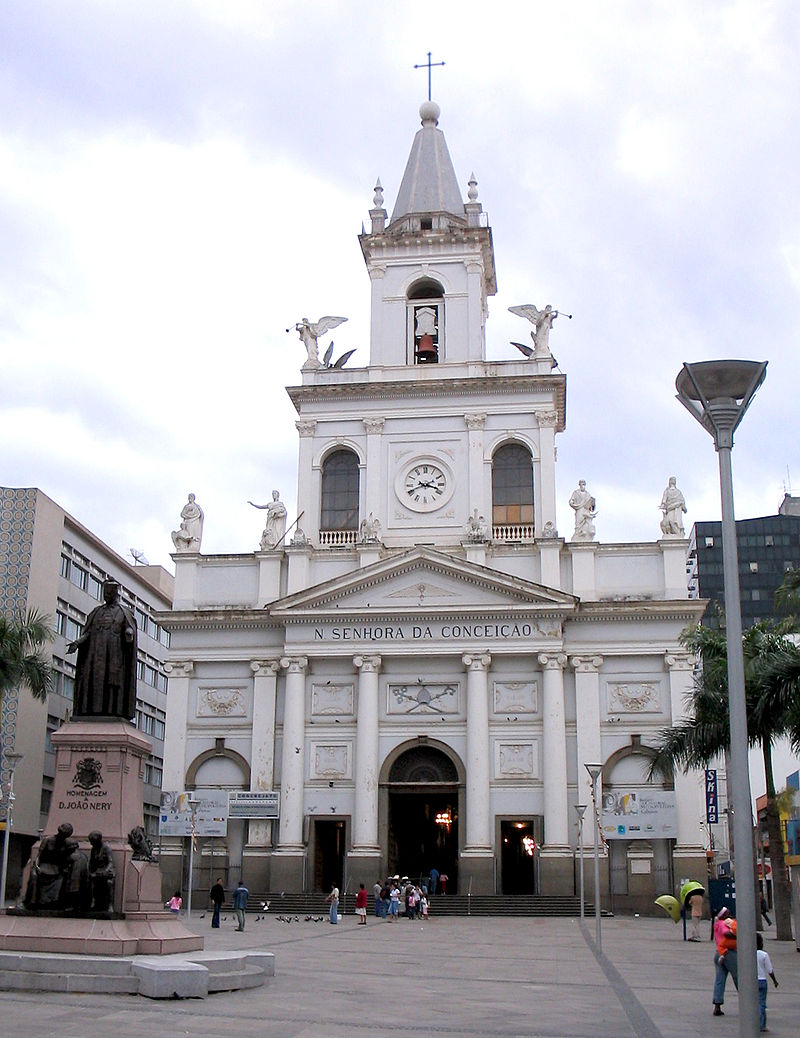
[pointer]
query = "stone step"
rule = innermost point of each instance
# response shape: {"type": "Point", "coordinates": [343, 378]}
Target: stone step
{"type": "Point", "coordinates": [75, 983]}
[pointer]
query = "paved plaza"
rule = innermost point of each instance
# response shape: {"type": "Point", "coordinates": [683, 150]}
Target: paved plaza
{"type": "Point", "coordinates": [446, 977]}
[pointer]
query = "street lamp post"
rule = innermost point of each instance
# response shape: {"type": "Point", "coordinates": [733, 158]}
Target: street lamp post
{"type": "Point", "coordinates": [193, 808]}
{"type": "Point", "coordinates": [12, 760]}
{"type": "Point", "coordinates": [580, 811]}
{"type": "Point", "coordinates": [717, 393]}
{"type": "Point", "coordinates": [594, 773]}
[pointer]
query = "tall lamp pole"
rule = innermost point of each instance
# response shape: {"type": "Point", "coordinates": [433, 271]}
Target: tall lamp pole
{"type": "Point", "coordinates": [12, 760]}
{"type": "Point", "coordinates": [594, 773]}
{"type": "Point", "coordinates": [580, 811]}
{"type": "Point", "coordinates": [193, 808]}
{"type": "Point", "coordinates": [717, 393]}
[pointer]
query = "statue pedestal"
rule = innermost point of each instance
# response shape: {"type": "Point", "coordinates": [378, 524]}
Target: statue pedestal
{"type": "Point", "coordinates": [98, 786]}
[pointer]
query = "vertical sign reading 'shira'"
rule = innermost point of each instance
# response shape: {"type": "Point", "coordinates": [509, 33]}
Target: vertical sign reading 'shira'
{"type": "Point", "coordinates": [712, 807]}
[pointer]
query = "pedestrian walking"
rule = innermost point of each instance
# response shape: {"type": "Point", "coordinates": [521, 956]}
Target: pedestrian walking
{"type": "Point", "coordinates": [361, 905]}
{"type": "Point", "coordinates": [765, 909]}
{"type": "Point", "coordinates": [240, 896]}
{"type": "Point", "coordinates": [765, 970]}
{"type": "Point", "coordinates": [725, 960]}
{"type": "Point", "coordinates": [216, 896]}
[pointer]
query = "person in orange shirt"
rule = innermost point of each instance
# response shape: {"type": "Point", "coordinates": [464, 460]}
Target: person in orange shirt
{"type": "Point", "coordinates": [725, 960]}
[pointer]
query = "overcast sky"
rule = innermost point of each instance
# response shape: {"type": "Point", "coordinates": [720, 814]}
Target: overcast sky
{"type": "Point", "coordinates": [182, 181]}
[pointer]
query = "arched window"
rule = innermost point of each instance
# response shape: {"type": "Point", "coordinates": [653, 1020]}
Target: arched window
{"type": "Point", "coordinates": [339, 492]}
{"type": "Point", "coordinates": [426, 321]}
{"type": "Point", "coordinates": [512, 491]}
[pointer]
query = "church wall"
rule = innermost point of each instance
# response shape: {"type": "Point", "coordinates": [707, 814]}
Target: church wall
{"type": "Point", "coordinates": [227, 584]}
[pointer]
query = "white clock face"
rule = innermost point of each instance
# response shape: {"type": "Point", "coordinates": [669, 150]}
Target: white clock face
{"type": "Point", "coordinates": [424, 486]}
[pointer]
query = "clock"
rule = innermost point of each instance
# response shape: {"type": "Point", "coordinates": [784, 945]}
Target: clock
{"type": "Point", "coordinates": [424, 485]}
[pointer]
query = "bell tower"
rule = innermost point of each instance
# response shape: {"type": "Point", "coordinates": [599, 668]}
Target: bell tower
{"type": "Point", "coordinates": [431, 265]}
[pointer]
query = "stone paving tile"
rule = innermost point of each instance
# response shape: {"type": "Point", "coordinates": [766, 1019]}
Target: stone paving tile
{"type": "Point", "coordinates": [448, 978]}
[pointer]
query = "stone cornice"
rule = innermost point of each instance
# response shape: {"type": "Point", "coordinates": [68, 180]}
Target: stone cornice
{"type": "Point", "coordinates": [492, 384]}
{"type": "Point", "coordinates": [687, 610]}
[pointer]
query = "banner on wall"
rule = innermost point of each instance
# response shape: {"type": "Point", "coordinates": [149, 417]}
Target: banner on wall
{"type": "Point", "coordinates": [639, 814]}
{"type": "Point", "coordinates": [211, 814]}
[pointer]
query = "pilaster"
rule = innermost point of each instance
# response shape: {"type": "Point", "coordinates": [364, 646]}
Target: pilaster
{"type": "Point", "coordinates": [587, 713]}
{"type": "Point", "coordinates": [478, 829]}
{"type": "Point", "coordinates": [293, 756]}
{"type": "Point", "coordinates": [673, 554]}
{"type": "Point", "coordinates": [179, 674]}
{"type": "Point", "coordinates": [554, 739]}
{"type": "Point", "coordinates": [262, 752]}
{"type": "Point", "coordinates": [681, 673]}
{"type": "Point", "coordinates": [365, 817]}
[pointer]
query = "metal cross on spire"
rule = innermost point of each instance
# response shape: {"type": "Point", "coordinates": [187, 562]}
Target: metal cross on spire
{"type": "Point", "coordinates": [429, 65]}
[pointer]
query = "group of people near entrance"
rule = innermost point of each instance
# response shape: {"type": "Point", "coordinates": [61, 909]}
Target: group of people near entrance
{"type": "Point", "coordinates": [397, 895]}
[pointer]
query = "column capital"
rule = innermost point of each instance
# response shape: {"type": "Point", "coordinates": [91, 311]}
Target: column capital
{"type": "Point", "coordinates": [367, 664]}
{"type": "Point", "coordinates": [586, 664]}
{"type": "Point", "coordinates": [553, 660]}
{"type": "Point", "coordinates": [374, 425]}
{"type": "Point", "coordinates": [476, 420]}
{"type": "Point", "coordinates": [179, 668]}
{"type": "Point", "coordinates": [476, 661]}
{"type": "Point", "coordinates": [680, 660]}
{"type": "Point", "coordinates": [262, 668]}
{"type": "Point", "coordinates": [306, 427]}
{"type": "Point", "coordinates": [294, 664]}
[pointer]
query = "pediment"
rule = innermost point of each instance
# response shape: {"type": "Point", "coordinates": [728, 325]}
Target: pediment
{"type": "Point", "coordinates": [422, 581]}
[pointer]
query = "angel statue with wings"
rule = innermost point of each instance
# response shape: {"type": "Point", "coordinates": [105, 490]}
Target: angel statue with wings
{"type": "Point", "coordinates": [542, 320]}
{"type": "Point", "coordinates": [310, 333]}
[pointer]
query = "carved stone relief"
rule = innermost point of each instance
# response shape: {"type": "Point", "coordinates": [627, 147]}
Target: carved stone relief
{"type": "Point", "coordinates": [428, 698]}
{"type": "Point", "coordinates": [221, 702]}
{"type": "Point", "coordinates": [633, 697]}
{"type": "Point", "coordinates": [331, 761]}
{"type": "Point", "coordinates": [515, 760]}
{"type": "Point", "coordinates": [515, 697]}
{"type": "Point", "coordinates": [332, 699]}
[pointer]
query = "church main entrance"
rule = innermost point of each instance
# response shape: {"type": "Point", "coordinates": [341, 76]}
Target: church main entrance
{"type": "Point", "coordinates": [423, 816]}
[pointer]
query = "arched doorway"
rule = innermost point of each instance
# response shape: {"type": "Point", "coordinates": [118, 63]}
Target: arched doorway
{"type": "Point", "coordinates": [423, 814]}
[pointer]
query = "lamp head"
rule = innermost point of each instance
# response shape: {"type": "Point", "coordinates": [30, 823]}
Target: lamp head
{"type": "Point", "coordinates": [718, 392]}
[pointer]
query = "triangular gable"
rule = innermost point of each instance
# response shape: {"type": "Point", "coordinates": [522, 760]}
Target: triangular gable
{"type": "Point", "coordinates": [423, 580]}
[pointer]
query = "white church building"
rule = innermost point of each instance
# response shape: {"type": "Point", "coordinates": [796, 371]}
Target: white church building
{"type": "Point", "coordinates": [422, 672]}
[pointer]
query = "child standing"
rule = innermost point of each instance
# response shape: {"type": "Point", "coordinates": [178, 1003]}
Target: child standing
{"type": "Point", "coordinates": [764, 970]}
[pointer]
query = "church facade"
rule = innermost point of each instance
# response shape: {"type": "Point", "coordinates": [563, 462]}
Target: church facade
{"type": "Point", "coordinates": [422, 671]}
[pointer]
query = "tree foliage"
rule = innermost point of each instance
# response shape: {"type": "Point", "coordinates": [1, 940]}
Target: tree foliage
{"type": "Point", "coordinates": [23, 663]}
{"type": "Point", "coordinates": [772, 692]}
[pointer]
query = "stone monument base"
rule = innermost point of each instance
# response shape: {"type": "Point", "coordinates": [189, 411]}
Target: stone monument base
{"type": "Point", "coordinates": [142, 933]}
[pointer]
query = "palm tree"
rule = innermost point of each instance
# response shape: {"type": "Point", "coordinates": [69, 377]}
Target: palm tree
{"type": "Point", "coordinates": [22, 661]}
{"type": "Point", "coordinates": [787, 597]}
{"type": "Point", "coordinates": [772, 696]}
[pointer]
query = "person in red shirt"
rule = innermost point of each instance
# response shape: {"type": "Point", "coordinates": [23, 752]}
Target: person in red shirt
{"type": "Point", "coordinates": [725, 959]}
{"type": "Point", "coordinates": [361, 905]}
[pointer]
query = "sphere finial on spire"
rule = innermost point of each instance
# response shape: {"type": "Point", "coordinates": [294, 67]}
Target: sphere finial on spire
{"type": "Point", "coordinates": [378, 198]}
{"type": "Point", "coordinates": [429, 113]}
{"type": "Point", "coordinates": [472, 184]}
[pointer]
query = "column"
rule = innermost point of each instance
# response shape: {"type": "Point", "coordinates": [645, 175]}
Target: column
{"type": "Point", "coordinates": [307, 500]}
{"type": "Point", "coordinates": [476, 493]}
{"type": "Point", "coordinates": [372, 497]}
{"type": "Point", "coordinates": [554, 738]}
{"type": "Point", "coordinates": [179, 674]}
{"type": "Point", "coordinates": [687, 787]}
{"type": "Point", "coordinates": [478, 829]}
{"type": "Point", "coordinates": [262, 751]}
{"type": "Point", "coordinates": [293, 758]}
{"type": "Point", "coordinates": [546, 490]}
{"type": "Point", "coordinates": [474, 310]}
{"type": "Point", "coordinates": [365, 816]}
{"type": "Point", "coordinates": [589, 745]}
